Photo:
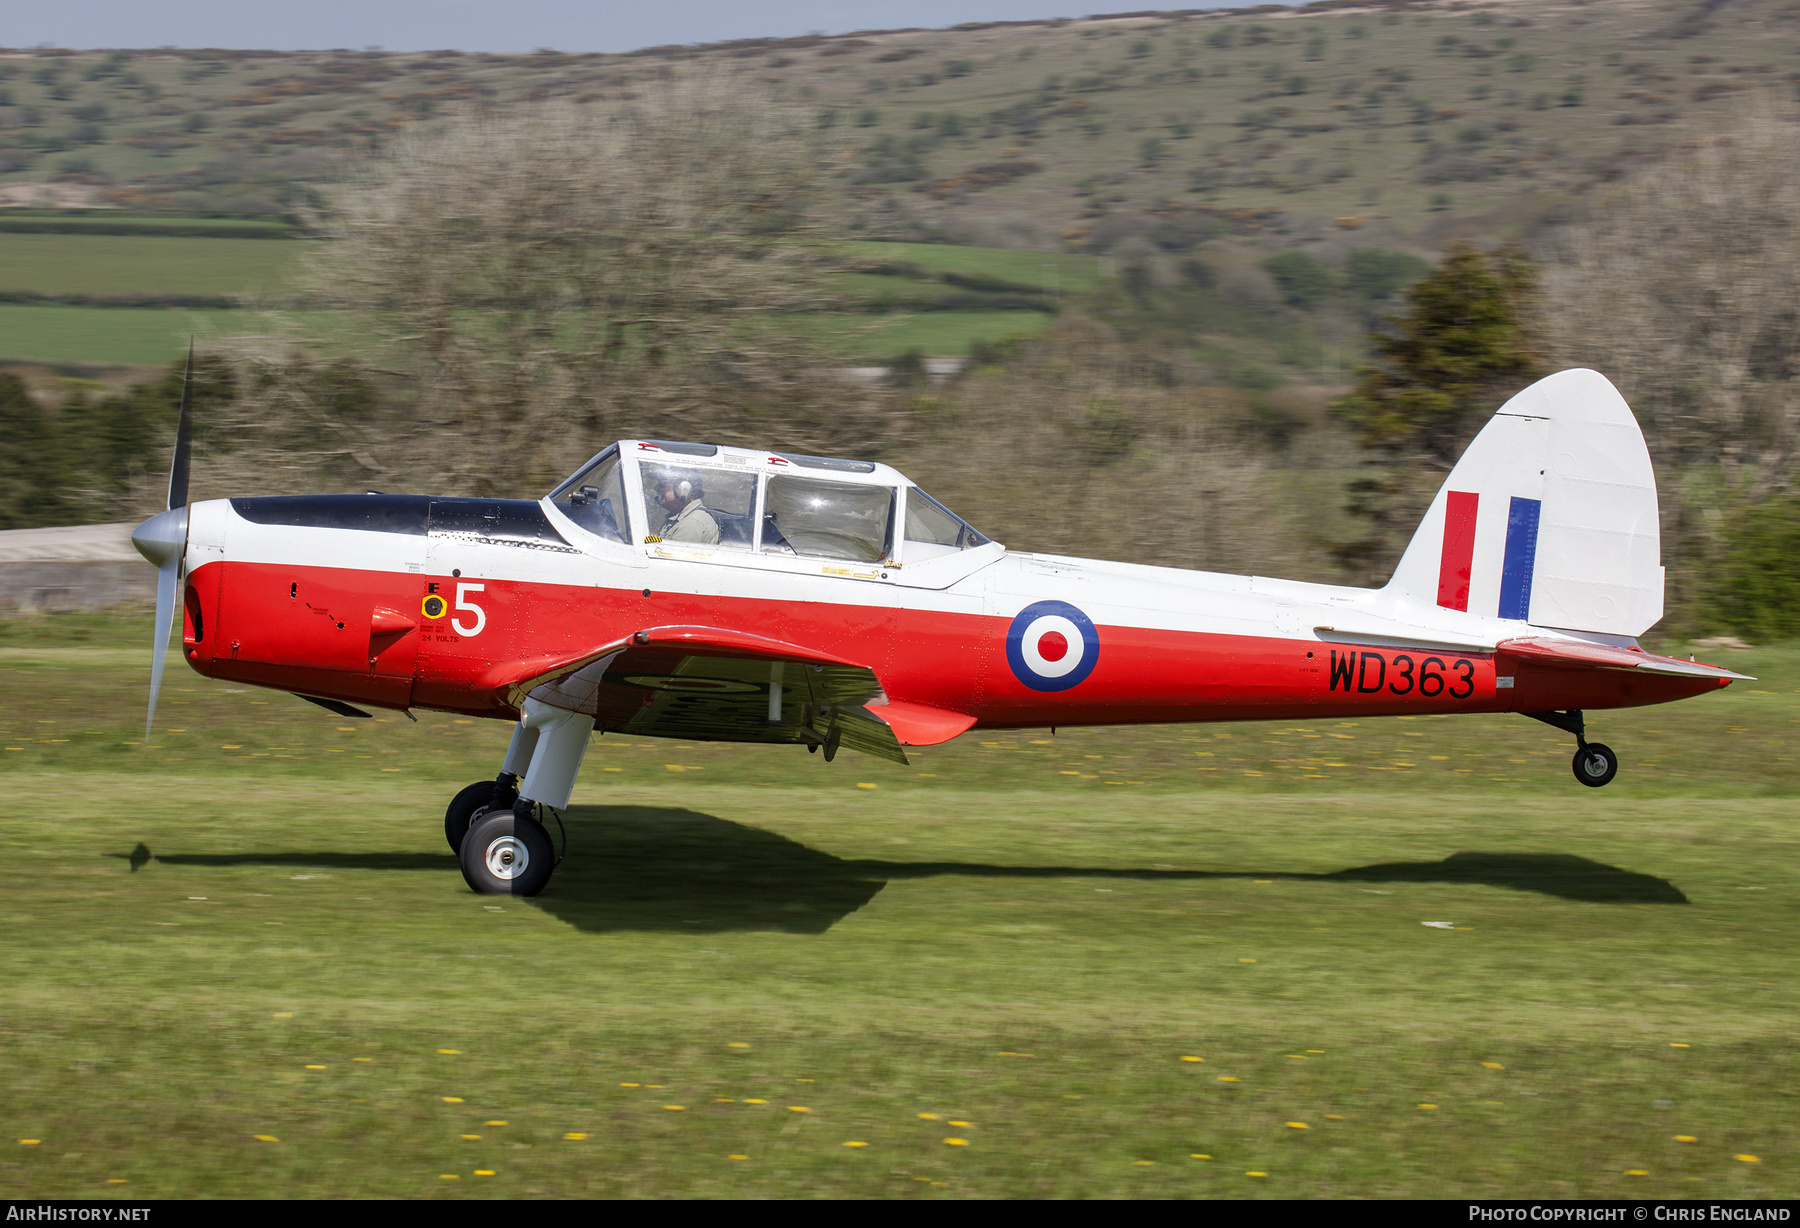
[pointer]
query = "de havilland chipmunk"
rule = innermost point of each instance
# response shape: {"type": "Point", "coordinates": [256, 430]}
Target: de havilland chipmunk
{"type": "Point", "coordinates": [720, 593]}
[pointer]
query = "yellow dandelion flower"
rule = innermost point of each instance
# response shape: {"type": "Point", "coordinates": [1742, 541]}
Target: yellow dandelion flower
{"type": "Point", "coordinates": [1334, 1117]}
{"type": "Point", "coordinates": [449, 1176]}
{"type": "Point", "coordinates": [930, 1117]}
{"type": "Point", "coordinates": [573, 1137]}
{"type": "Point", "coordinates": [1199, 1155]}
{"type": "Point", "coordinates": [798, 1108]}
{"type": "Point", "coordinates": [284, 1014]}
{"type": "Point", "coordinates": [653, 1087]}
{"type": "Point", "coordinates": [484, 1172]}
{"type": "Point", "coordinates": [1190, 1058]}
{"type": "Point", "coordinates": [1428, 1106]}
{"type": "Point", "coordinates": [1675, 1044]}
{"type": "Point", "coordinates": [737, 1157]}
{"type": "Point", "coordinates": [1246, 961]}
{"type": "Point", "coordinates": [1492, 1066]}
{"type": "Point", "coordinates": [957, 1142]}
{"type": "Point", "coordinates": [676, 1108]}
{"type": "Point", "coordinates": [362, 1059]}
{"type": "Point", "coordinates": [1256, 1174]}
{"type": "Point", "coordinates": [449, 1050]}
{"type": "Point", "coordinates": [261, 1138]}
{"type": "Point", "coordinates": [860, 785]}
{"type": "Point", "coordinates": [472, 1137]}
{"type": "Point", "coordinates": [33, 1142]}
{"type": "Point", "coordinates": [755, 1101]}
{"type": "Point", "coordinates": [315, 1068]}
{"type": "Point", "coordinates": [1298, 1125]}
{"type": "Point", "coordinates": [723, 1100]}
{"type": "Point", "coordinates": [1315, 1050]}
{"type": "Point", "coordinates": [631, 1085]}
{"type": "Point", "coordinates": [452, 1099]}
{"type": "Point", "coordinates": [1686, 1138]}
{"type": "Point", "coordinates": [1749, 1159]}
{"type": "Point", "coordinates": [1143, 1163]}
{"type": "Point", "coordinates": [1637, 1172]}
{"type": "Point", "coordinates": [962, 1123]}
{"type": "Point", "coordinates": [493, 1123]}
{"type": "Point", "coordinates": [115, 1181]}
{"type": "Point", "coordinates": [736, 1044]}
{"type": "Point", "coordinates": [856, 1144]}
{"type": "Point", "coordinates": [1228, 1078]}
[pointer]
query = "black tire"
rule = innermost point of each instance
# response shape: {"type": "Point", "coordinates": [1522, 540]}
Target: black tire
{"type": "Point", "coordinates": [462, 810]}
{"type": "Point", "coordinates": [1595, 765]}
{"type": "Point", "coordinates": [504, 854]}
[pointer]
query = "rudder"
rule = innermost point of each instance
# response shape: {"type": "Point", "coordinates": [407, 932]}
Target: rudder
{"type": "Point", "coordinates": [1549, 518]}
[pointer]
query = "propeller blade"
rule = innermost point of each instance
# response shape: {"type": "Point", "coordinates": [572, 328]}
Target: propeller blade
{"type": "Point", "coordinates": [162, 539]}
{"type": "Point", "coordinates": [168, 579]}
{"type": "Point", "coordinates": [178, 469]}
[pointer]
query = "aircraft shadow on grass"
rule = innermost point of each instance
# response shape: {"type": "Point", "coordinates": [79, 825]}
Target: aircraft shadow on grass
{"type": "Point", "coordinates": [660, 868]}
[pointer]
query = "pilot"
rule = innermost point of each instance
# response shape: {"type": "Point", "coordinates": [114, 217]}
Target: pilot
{"type": "Point", "coordinates": [688, 521]}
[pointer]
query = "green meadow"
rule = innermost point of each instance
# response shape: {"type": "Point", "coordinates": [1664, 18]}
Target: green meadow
{"type": "Point", "coordinates": [120, 266]}
{"type": "Point", "coordinates": [1400, 958]}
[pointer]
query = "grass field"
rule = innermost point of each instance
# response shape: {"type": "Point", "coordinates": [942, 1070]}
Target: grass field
{"type": "Point", "coordinates": [1185, 961]}
{"type": "Point", "coordinates": [121, 264]}
{"type": "Point", "coordinates": [132, 264]}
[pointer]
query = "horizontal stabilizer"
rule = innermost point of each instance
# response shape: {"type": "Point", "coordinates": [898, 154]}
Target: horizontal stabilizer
{"type": "Point", "coordinates": [1575, 654]}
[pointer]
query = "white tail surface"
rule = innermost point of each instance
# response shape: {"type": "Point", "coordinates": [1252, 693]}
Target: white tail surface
{"type": "Point", "coordinates": [1549, 518]}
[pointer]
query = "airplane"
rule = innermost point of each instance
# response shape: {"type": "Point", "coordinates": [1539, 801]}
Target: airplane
{"type": "Point", "coordinates": [722, 593]}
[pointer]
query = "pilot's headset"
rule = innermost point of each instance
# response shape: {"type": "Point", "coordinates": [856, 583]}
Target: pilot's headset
{"type": "Point", "coordinates": [684, 488]}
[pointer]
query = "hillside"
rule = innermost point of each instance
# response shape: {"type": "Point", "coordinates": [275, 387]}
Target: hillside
{"type": "Point", "coordinates": [1406, 121]}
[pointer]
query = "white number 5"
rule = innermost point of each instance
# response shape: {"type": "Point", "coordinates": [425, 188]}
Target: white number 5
{"type": "Point", "coordinates": [462, 591]}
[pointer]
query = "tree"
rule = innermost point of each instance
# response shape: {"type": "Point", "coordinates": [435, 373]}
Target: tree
{"type": "Point", "coordinates": [546, 277]}
{"type": "Point", "coordinates": [29, 461]}
{"type": "Point", "coordinates": [1679, 287]}
{"type": "Point", "coordinates": [1465, 341]}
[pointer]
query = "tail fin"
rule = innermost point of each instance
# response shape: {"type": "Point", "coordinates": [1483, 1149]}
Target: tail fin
{"type": "Point", "coordinates": [1549, 518]}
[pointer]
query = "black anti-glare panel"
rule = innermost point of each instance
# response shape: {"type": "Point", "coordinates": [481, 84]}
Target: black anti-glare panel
{"type": "Point", "coordinates": [370, 513]}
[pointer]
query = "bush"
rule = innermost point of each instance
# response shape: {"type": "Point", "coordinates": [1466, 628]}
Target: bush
{"type": "Point", "coordinates": [1756, 580]}
{"type": "Point", "coordinates": [1305, 280]}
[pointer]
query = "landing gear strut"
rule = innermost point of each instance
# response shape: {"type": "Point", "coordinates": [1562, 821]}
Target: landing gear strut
{"type": "Point", "coordinates": [493, 825]}
{"type": "Point", "coordinates": [1595, 764]}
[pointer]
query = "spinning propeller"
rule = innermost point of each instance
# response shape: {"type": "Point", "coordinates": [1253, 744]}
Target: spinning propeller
{"type": "Point", "coordinates": [163, 540]}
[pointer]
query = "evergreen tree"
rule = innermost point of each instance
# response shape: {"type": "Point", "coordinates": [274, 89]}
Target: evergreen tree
{"type": "Point", "coordinates": [1465, 341]}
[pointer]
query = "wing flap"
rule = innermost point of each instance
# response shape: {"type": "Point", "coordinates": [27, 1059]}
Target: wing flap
{"type": "Point", "coordinates": [711, 684]}
{"type": "Point", "coordinates": [1575, 654]}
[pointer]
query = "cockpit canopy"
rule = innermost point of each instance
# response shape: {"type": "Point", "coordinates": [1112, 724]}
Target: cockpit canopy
{"type": "Point", "coordinates": [767, 503]}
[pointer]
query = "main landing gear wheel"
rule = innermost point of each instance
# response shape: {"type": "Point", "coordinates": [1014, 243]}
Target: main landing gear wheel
{"type": "Point", "coordinates": [504, 854]}
{"type": "Point", "coordinates": [463, 809]}
{"type": "Point", "coordinates": [1595, 764]}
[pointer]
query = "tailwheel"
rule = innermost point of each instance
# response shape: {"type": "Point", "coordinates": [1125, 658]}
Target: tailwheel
{"type": "Point", "coordinates": [1595, 764]}
{"type": "Point", "coordinates": [463, 809]}
{"type": "Point", "coordinates": [507, 854]}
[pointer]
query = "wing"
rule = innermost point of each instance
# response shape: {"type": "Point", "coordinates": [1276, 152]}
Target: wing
{"type": "Point", "coordinates": [1580, 655]}
{"type": "Point", "coordinates": [718, 685]}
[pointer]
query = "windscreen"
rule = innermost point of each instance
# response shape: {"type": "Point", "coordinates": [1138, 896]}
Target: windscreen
{"type": "Point", "coordinates": [595, 498]}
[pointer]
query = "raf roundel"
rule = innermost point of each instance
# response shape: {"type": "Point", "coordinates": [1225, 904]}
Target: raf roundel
{"type": "Point", "coordinates": [1052, 646]}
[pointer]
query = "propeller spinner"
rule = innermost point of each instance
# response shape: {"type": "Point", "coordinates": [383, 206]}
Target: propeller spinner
{"type": "Point", "coordinates": [162, 540]}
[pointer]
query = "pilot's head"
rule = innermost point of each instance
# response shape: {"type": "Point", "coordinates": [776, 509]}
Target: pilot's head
{"type": "Point", "coordinates": [674, 493]}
